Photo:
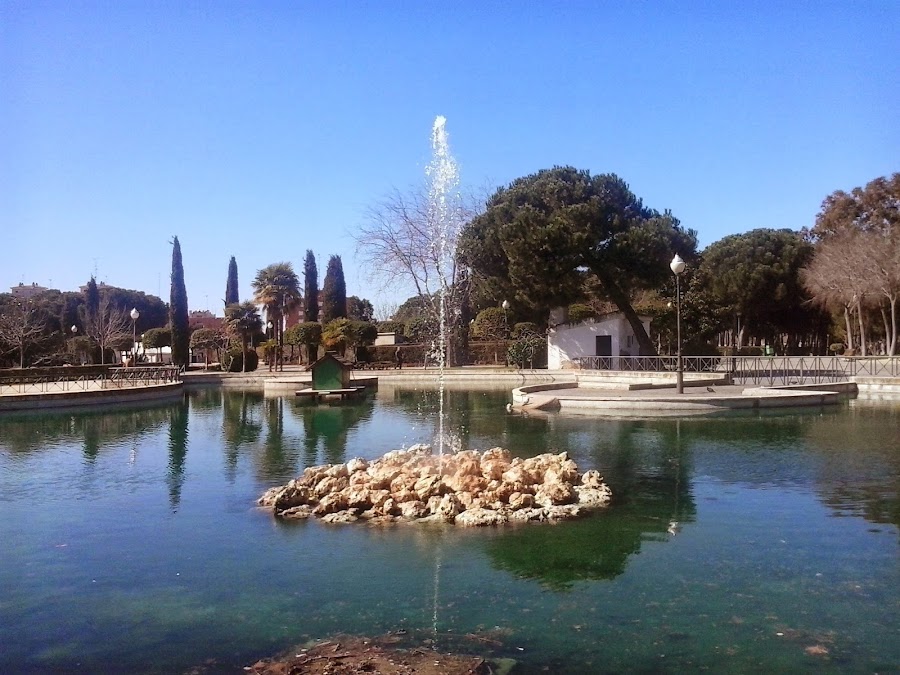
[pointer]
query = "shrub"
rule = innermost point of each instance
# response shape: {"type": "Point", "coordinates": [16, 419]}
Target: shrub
{"type": "Point", "coordinates": [528, 351]}
{"type": "Point", "coordinates": [491, 324]}
{"type": "Point", "coordinates": [524, 329]}
{"type": "Point", "coordinates": [156, 338]}
{"type": "Point", "coordinates": [237, 360]}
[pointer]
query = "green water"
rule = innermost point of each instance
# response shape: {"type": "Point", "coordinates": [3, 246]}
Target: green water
{"type": "Point", "coordinates": [130, 541]}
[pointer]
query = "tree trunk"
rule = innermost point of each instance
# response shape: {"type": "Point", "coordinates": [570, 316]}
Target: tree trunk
{"type": "Point", "coordinates": [279, 355]}
{"type": "Point", "coordinates": [848, 327]}
{"type": "Point", "coordinates": [243, 353]}
{"type": "Point", "coordinates": [645, 344]}
{"type": "Point", "coordinates": [890, 327]}
{"type": "Point", "coordinates": [862, 329]}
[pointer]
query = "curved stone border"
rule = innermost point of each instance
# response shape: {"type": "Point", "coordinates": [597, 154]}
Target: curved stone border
{"type": "Point", "coordinates": [547, 397]}
{"type": "Point", "coordinates": [90, 397]}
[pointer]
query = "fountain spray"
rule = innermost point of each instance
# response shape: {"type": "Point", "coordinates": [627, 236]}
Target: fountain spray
{"type": "Point", "coordinates": [443, 175]}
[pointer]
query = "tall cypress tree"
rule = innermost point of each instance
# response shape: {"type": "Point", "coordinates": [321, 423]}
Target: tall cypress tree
{"type": "Point", "coordinates": [310, 287]}
{"type": "Point", "coordinates": [178, 311]}
{"type": "Point", "coordinates": [91, 301]}
{"type": "Point", "coordinates": [334, 291]}
{"type": "Point", "coordinates": [232, 296]}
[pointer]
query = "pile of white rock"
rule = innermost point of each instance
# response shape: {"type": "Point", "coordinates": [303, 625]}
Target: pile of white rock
{"type": "Point", "coordinates": [467, 488]}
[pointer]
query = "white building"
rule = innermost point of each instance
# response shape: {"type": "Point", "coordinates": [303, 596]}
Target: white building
{"type": "Point", "coordinates": [608, 336]}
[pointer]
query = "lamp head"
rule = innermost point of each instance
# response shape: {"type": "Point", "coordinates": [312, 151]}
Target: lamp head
{"type": "Point", "coordinates": [134, 313]}
{"type": "Point", "coordinates": [677, 264]}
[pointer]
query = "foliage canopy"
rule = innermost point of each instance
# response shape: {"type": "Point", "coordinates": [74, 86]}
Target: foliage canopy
{"type": "Point", "coordinates": [543, 235]}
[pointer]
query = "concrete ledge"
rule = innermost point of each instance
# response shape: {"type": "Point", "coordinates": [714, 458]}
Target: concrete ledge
{"type": "Point", "coordinates": [91, 397]}
{"type": "Point", "coordinates": [883, 385]}
{"type": "Point", "coordinates": [573, 397]}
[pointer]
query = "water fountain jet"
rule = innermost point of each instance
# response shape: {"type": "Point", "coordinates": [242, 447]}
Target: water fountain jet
{"type": "Point", "coordinates": [443, 202]}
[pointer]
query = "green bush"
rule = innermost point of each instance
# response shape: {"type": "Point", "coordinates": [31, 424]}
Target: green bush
{"type": "Point", "coordinates": [524, 329]}
{"type": "Point", "coordinates": [491, 324]}
{"type": "Point", "coordinates": [157, 337]}
{"type": "Point", "coordinates": [237, 360]}
{"type": "Point", "coordinates": [530, 352]}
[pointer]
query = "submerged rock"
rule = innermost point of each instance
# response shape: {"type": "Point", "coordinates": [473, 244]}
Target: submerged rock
{"type": "Point", "coordinates": [468, 488]}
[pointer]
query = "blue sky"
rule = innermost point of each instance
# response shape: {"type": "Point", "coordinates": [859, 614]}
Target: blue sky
{"type": "Point", "coordinates": [262, 130]}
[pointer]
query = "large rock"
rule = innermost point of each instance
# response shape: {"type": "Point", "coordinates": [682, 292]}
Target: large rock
{"type": "Point", "coordinates": [468, 488]}
{"type": "Point", "coordinates": [551, 494]}
{"type": "Point", "coordinates": [479, 517]}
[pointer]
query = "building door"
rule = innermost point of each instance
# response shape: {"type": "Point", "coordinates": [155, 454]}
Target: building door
{"type": "Point", "coordinates": [604, 345]}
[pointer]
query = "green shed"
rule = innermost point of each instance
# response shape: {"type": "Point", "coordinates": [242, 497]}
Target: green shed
{"type": "Point", "coordinates": [330, 373]}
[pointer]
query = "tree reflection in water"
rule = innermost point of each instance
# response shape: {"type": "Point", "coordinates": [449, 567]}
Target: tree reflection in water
{"type": "Point", "coordinates": [23, 433]}
{"type": "Point", "coordinates": [257, 427]}
{"type": "Point", "coordinates": [652, 500]}
{"type": "Point", "coordinates": [178, 444]}
{"type": "Point", "coordinates": [241, 427]}
{"type": "Point", "coordinates": [326, 427]}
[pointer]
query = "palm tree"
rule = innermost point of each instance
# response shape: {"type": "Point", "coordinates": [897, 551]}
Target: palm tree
{"type": "Point", "coordinates": [277, 288]}
{"type": "Point", "coordinates": [243, 318]}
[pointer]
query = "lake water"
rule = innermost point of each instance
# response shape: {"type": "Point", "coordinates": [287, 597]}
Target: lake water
{"type": "Point", "coordinates": [131, 542]}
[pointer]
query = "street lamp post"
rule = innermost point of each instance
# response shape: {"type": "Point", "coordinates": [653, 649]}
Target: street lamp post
{"type": "Point", "coordinates": [505, 306]}
{"type": "Point", "coordinates": [677, 267]}
{"type": "Point", "coordinates": [271, 349]}
{"type": "Point", "coordinates": [134, 317]}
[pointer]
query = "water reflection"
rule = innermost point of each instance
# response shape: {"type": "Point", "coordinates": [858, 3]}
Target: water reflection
{"type": "Point", "coordinates": [206, 398]}
{"type": "Point", "coordinates": [859, 472]}
{"type": "Point", "coordinates": [26, 433]}
{"type": "Point", "coordinates": [653, 500]}
{"type": "Point", "coordinates": [178, 444]}
{"type": "Point", "coordinates": [474, 419]}
{"type": "Point", "coordinates": [277, 458]}
{"type": "Point", "coordinates": [241, 425]}
{"type": "Point", "coordinates": [327, 426]}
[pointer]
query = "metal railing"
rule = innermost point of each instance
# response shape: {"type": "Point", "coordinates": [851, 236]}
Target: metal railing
{"type": "Point", "coordinates": [756, 370]}
{"type": "Point", "coordinates": [66, 379]}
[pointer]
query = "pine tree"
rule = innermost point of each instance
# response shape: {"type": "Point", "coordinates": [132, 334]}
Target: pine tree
{"type": "Point", "coordinates": [311, 287]}
{"type": "Point", "coordinates": [334, 291]}
{"type": "Point", "coordinates": [178, 310]}
{"type": "Point", "coordinates": [232, 295]}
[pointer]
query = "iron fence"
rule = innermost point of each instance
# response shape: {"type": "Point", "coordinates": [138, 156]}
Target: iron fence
{"type": "Point", "coordinates": [72, 379]}
{"type": "Point", "coordinates": [755, 370]}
